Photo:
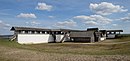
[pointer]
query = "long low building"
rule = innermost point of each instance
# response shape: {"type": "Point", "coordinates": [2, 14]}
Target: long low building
{"type": "Point", "coordinates": [27, 35]}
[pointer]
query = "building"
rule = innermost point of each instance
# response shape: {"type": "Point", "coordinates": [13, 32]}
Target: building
{"type": "Point", "coordinates": [89, 35]}
{"type": "Point", "coordinates": [113, 33]}
{"type": "Point", "coordinates": [27, 35]}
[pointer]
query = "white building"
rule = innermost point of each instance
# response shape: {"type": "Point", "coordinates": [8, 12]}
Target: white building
{"type": "Point", "coordinates": [113, 33]}
{"type": "Point", "coordinates": [25, 35]}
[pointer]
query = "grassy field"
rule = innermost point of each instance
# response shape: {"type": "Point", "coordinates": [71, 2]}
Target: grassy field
{"type": "Point", "coordinates": [99, 51]}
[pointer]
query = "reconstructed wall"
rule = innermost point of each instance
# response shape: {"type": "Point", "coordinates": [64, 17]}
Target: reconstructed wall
{"type": "Point", "coordinates": [59, 37]}
{"type": "Point", "coordinates": [34, 38]}
{"type": "Point", "coordinates": [111, 36]}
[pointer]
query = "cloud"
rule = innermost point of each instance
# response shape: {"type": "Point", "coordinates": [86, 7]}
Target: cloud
{"type": "Point", "coordinates": [127, 18]}
{"type": "Point", "coordinates": [91, 23]}
{"type": "Point", "coordinates": [105, 8]}
{"type": "Point", "coordinates": [51, 16]}
{"type": "Point", "coordinates": [43, 6]}
{"type": "Point", "coordinates": [114, 25]}
{"type": "Point", "coordinates": [69, 23]}
{"type": "Point", "coordinates": [4, 25]}
{"type": "Point", "coordinates": [33, 23]}
{"type": "Point", "coordinates": [93, 19]}
{"type": "Point", "coordinates": [26, 15]}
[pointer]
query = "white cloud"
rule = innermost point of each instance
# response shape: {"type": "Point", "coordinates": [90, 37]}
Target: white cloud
{"type": "Point", "coordinates": [51, 16]}
{"type": "Point", "coordinates": [26, 15]}
{"type": "Point", "coordinates": [105, 8]}
{"type": "Point", "coordinates": [4, 25]}
{"type": "Point", "coordinates": [91, 23]}
{"type": "Point", "coordinates": [93, 19]}
{"type": "Point", "coordinates": [69, 23]}
{"type": "Point", "coordinates": [43, 6]}
{"type": "Point", "coordinates": [114, 24]}
{"type": "Point", "coordinates": [127, 18]}
{"type": "Point", "coordinates": [33, 23]}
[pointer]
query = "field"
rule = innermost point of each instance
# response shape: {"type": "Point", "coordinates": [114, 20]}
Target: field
{"type": "Point", "coordinates": [109, 50]}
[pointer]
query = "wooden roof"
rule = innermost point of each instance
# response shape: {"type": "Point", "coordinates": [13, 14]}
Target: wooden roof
{"type": "Point", "coordinates": [43, 29]}
{"type": "Point", "coordinates": [92, 29]}
{"type": "Point", "coordinates": [114, 30]}
{"type": "Point", "coordinates": [28, 29]}
{"type": "Point", "coordinates": [82, 34]}
{"type": "Point", "coordinates": [64, 30]}
{"type": "Point", "coordinates": [39, 29]}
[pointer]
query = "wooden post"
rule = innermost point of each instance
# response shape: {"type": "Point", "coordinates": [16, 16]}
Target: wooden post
{"type": "Point", "coordinates": [119, 33]}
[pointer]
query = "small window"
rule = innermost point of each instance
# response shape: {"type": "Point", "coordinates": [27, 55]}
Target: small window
{"type": "Point", "coordinates": [112, 32]}
{"type": "Point", "coordinates": [20, 32]}
{"type": "Point", "coordinates": [45, 32]}
{"type": "Point", "coordinates": [40, 32]}
{"type": "Point", "coordinates": [23, 32]}
{"type": "Point", "coordinates": [35, 32]}
{"type": "Point", "coordinates": [26, 32]}
{"type": "Point", "coordinates": [107, 32]}
{"type": "Point", "coordinates": [29, 32]}
{"type": "Point", "coordinates": [48, 32]}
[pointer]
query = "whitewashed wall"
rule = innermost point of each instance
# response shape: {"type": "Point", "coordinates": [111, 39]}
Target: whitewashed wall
{"type": "Point", "coordinates": [111, 36]}
{"type": "Point", "coordinates": [34, 38]}
{"type": "Point", "coordinates": [102, 38]}
{"type": "Point", "coordinates": [59, 37]}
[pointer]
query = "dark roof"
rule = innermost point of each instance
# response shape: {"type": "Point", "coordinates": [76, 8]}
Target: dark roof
{"type": "Point", "coordinates": [29, 28]}
{"type": "Point", "coordinates": [102, 30]}
{"type": "Point", "coordinates": [43, 29]}
{"type": "Point", "coordinates": [37, 29]}
{"type": "Point", "coordinates": [82, 34]}
{"type": "Point", "coordinates": [65, 30]}
{"type": "Point", "coordinates": [92, 29]}
{"type": "Point", "coordinates": [114, 30]}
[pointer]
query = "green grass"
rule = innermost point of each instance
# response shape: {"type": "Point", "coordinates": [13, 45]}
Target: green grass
{"type": "Point", "coordinates": [78, 49]}
{"type": "Point", "coordinates": [12, 51]}
{"type": "Point", "coordinates": [123, 39]}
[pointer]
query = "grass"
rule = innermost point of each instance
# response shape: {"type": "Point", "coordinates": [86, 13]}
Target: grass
{"type": "Point", "coordinates": [82, 49]}
{"type": "Point", "coordinates": [12, 51]}
{"type": "Point", "coordinates": [122, 39]}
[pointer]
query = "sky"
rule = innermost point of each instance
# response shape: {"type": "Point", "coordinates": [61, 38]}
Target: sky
{"type": "Point", "coordinates": [67, 14]}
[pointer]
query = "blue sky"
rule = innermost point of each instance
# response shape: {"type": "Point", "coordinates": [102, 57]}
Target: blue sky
{"type": "Point", "coordinates": [70, 14]}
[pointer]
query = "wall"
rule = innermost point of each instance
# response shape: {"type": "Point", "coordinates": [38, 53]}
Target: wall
{"type": "Point", "coordinates": [34, 38]}
{"type": "Point", "coordinates": [111, 36]}
{"type": "Point", "coordinates": [59, 37]}
{"type": "Point", "coordinates": [102, 38]}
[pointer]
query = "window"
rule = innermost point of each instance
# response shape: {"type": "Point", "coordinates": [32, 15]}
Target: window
{"type": "Point", "coordinates": [40, 32]}
{"type": "Point", "coordinates": [29, 32]}
{"type": "Point", "coordinates": [45, 32]}
{"type": "Point", "coordinates": [26, 32]}
{"type": "Point", "coordinates": [35, 32]}
{"type": "Point", "coordinates": [23, 32]}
